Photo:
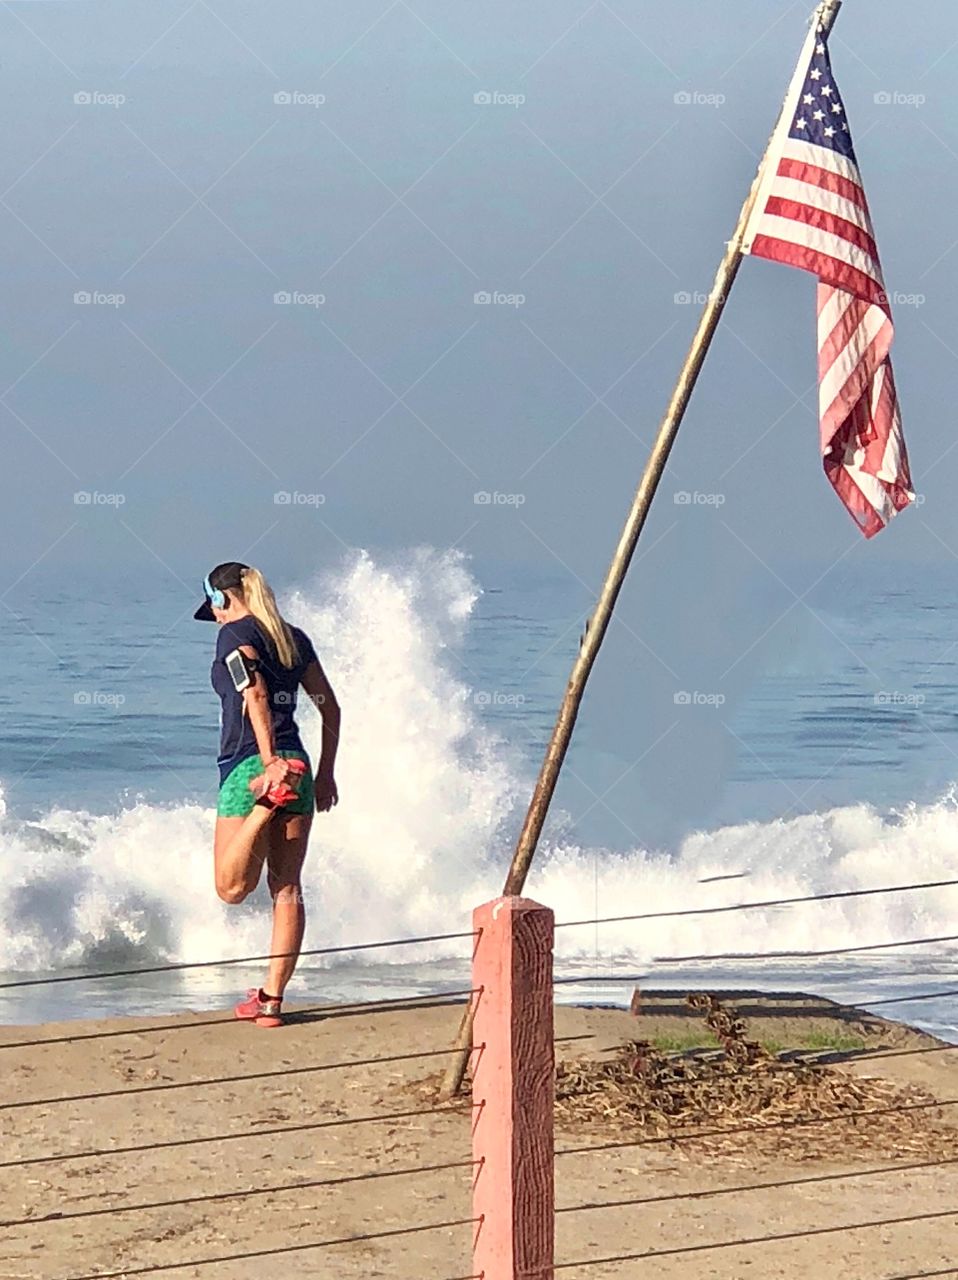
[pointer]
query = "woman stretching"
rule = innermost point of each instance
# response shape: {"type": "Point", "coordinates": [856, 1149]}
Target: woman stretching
{"type": "Point", "coordinates": [267, 792]}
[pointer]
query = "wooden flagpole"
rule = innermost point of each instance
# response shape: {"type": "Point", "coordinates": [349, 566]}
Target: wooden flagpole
{"type": "Point", "coordinates": [822, 20]}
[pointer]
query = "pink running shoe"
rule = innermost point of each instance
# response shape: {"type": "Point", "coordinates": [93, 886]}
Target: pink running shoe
{"type": "Point", "coordinates": [280, 793]}
{"type": "Point", "coordinates": [257, 1008]}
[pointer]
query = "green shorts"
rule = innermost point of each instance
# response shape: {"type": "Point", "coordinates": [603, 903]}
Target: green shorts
{"type": "Point", "coordinates": [237, 801]}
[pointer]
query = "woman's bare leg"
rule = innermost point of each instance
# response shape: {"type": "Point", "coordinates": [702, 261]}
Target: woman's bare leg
{"type": "Point", "coordinates": [288, 837]}
{"type": "Point", "coordinates": [239, 850]}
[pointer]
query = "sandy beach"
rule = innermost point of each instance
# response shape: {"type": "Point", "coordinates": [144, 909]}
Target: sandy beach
{"type": "Point", "coordinates": [87, 1216]}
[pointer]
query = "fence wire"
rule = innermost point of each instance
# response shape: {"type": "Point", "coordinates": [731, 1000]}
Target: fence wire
{"type": "Point", "coordinates": [760, 905]}
{"type": "Point", "coordinates": [210, 1081]}
{"type": "Point", "coordinates": [97, 975]}
{"type": "Point", "coordinates": [584, 1264]}
{"type": "Point", "coordinates": [280, 1251]}
{"type": "Point", "coordinates": [671, 1138]}
{"type": "Point", "coordinates": [311, 1013]}
{"type": "Point", "coordinates": [114, 1210]}
{"type": "Point", "coordinates": [743, 1189]}
{"type": "Point", "coordinates": [806, 955]}
{"type": "Point", "coordinates": [615, 979]}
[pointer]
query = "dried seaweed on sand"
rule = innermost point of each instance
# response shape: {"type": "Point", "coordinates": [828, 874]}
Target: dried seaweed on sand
{"type": "Point", "coordinates": [643, 1092]}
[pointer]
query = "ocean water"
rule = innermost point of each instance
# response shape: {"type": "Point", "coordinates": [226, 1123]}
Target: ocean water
{"type": "Point", "coordinates": [449, 674]}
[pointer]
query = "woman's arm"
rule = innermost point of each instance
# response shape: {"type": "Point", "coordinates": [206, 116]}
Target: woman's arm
{"type": "Point", "coordinates": [320, 692]}
{"type": "Point", "coordinates": [256, 703]}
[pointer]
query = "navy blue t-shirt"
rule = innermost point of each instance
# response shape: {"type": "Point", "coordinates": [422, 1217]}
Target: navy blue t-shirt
{"type": "Point", "coordinates": [237, 739]}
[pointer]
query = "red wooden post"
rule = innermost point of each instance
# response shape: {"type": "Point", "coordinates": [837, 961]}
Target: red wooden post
{"type": "Point", "coordinates": [513, 1091]}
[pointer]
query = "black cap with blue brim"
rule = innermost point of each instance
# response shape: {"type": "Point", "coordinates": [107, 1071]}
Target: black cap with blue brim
{"type": "Point", "coordinates": [215, 583]}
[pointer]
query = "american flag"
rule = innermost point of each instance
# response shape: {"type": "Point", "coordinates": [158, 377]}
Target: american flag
{"type": "Point", "coordinates": [811, 213]}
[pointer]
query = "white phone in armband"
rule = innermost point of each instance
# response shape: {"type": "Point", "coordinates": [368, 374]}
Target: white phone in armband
{"type": "Point", "coordinates": [241, 669]}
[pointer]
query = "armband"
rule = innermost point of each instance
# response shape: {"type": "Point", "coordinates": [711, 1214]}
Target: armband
{"type": "Point", "coordinates": [241, 669]}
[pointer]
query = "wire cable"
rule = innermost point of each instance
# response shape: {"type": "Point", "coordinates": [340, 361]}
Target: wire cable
{"type": "Point", "coordinates": [342, 1122]}
{"type": "Point", "coordinates": [243, 1135]}
{"type": "Point", "coordinates": [113, 1210]}
{"type": "Point", "coordinates": [224, 1079]}
{"type": "Point", "coordinates": [166, 1086]}
{"type": "Point", "coordinates": [828, 1057]}
{"type": "Point", "coordinates": [317, 1013]}
{"type": "Point", "coordinates": [181, 966]}
{"type": "Point", "coordinates": [852, 1115]}
{"type": "Point", "coordinates": [928, 995]}
{"type": "Point", "coordinates": [757, 1186]}
{"type": "Point", "coordinates": [277, 1252]}
{"type": "Point", "coordinates": [178, 967]}
{"type": "Point", "coordinates": [914, 1275]}
{"type": "Point", "coordinates": [617, 978]}
{"type": "Point", "coordinates": [586, 978]}
{"type": "Point", "coordinates": [756, 955]}
{"type": "Point", "coordinates": [283, 1072]}
{"type": "Point", "coordinates": [806, 955]}
{"type": "Point", "coordinates": [209, 1081]}
{"type": "Point", "coordinates": [748, 1240]}
{"type": "Point", "coordinates": [879, 1055]}
{"type": "Point", "coordinates": [659, 1139]}
{"type": "Point", "coordinates": [752, 906]}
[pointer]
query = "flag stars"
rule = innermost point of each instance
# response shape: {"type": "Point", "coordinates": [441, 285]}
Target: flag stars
{"type": "Point", "coordinates": [820, 115]}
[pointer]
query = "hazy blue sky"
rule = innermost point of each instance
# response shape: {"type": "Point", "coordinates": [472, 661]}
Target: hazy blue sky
{"type": "Point", "coordinates": [587, 186]}
{"type": "Point", "coordinates": [598, 198]}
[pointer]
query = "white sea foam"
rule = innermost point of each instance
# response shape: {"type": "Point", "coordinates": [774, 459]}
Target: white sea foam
{"type": "Point", "coordinates": [430, 801]}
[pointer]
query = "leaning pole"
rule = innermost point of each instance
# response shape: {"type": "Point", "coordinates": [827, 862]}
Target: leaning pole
{"type": "Point", "coordinates": [822, 21]}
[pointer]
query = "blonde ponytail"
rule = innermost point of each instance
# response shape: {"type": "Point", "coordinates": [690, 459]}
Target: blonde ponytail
{"type": "Point", "coordinates": [259, 599]}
